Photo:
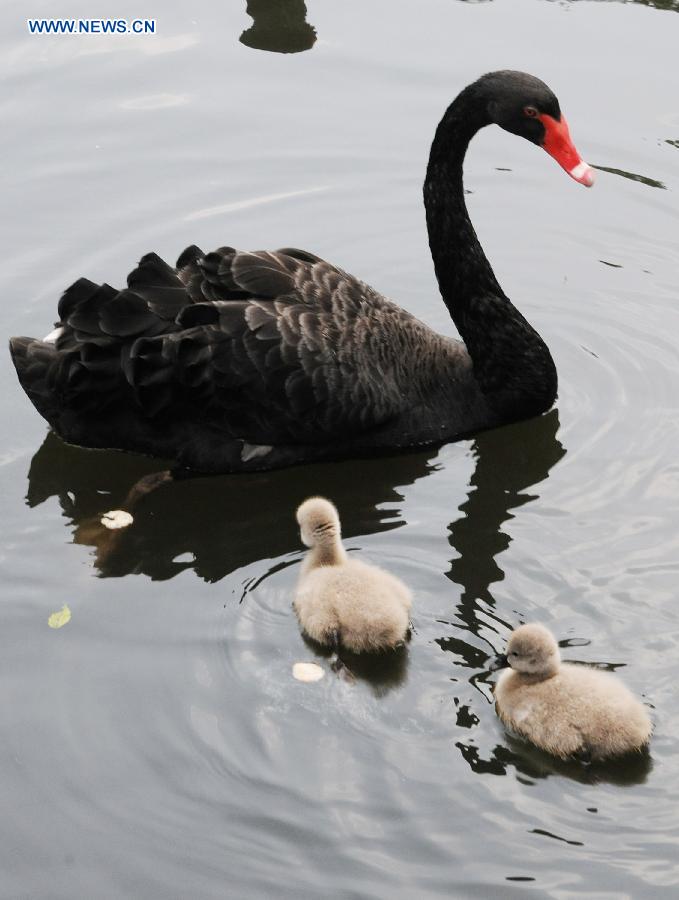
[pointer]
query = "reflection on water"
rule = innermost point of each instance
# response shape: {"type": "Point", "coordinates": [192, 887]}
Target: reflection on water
{"type": "Point", "coordinates": [212, 525]}
{"type": "Point", "coordinates": [190, 524]}
{"type": "Point", "coordinates": [509, 461]}
{"type": "Point", "coordinates": [655, 4]}
{"type": "Point", "coordinates": [660, 4]}
{"type": "Point", "coordinates": [279, 26]}
{"type": "Point", "coordinates": [382, 671]}
{"type": "Point", "coordinates": [532, 763]}
{"type": "Point", "coordinates": [643, 179]}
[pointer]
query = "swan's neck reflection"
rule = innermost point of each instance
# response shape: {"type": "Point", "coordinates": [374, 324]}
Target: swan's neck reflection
{"type": "Point", "coordinates": [508, 463]}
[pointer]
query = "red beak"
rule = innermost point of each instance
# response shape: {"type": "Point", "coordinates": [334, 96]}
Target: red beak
{"type": "Point", "coordinates": [558, 144]}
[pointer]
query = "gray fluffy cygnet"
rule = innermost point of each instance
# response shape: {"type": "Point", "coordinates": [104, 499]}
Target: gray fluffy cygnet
{"type": "Point", "coordinates": [567, 710]}
{"type": "Point", "coordinates": [341, 600]}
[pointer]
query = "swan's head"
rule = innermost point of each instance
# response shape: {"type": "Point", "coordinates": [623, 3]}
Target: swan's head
{"type": "Point", "coordinates": [318, 521]}
{"type": "Point", "coordinates": [532, 650]}
{"type": "Point", "coordinates": [524, 105]}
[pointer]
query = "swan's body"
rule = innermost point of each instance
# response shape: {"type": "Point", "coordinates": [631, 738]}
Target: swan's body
{"type": "Point", "coordinates": [237, 361]}
{"type": "Point", "coordinates": [567, 710]}
{"type": "Point", "coordinates": [343, 601]}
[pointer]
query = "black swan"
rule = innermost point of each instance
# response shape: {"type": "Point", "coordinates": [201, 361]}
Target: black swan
{"type": "Point", "coordinates": [241, 361]}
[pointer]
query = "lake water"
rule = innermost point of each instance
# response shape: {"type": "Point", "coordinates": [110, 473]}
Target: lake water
{"type": "Point", "coordinates": [157, 746]}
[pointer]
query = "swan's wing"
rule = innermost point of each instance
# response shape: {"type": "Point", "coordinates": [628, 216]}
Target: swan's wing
{"type": "Point", "coordinates": [228, 274]}
{"type": "Point", "coordinates": [281, 346]}
{"type": "Point", "coordinates": [270, 347]}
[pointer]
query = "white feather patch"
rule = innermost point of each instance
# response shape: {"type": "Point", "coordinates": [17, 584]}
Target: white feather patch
{"type": "Point", "coordinates": [253, 451]}
{"type": "Point", "coordinates": [52, 337]}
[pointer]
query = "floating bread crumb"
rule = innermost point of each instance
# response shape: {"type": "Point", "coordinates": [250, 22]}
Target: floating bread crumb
{"type": "Point", "coordinates": [116, 518]}
{"type": "Point", "coordinates": [304, 671]}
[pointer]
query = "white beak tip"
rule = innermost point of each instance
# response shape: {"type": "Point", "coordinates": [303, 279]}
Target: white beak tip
{"type": "Point", "coordinates": [583, 174]}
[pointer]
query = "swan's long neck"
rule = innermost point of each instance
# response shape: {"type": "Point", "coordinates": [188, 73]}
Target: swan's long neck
{"type": "Point", "coordinates": [511, 362]}
{"type": "Point", "coordinates": [462, 270]}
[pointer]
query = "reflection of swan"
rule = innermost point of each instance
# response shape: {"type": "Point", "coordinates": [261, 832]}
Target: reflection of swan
{"type": "Point", "coordinates": [508, 463]}
{"type": "Point", "coordinates": [279, 26]}
{"type": "Point", "coordinates": [201, 520]}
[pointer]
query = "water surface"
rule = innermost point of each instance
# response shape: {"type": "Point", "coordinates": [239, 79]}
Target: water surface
{"type": "Point", "coordinates": [157, 746]}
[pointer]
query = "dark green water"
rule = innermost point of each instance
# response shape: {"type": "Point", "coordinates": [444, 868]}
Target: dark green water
{"type": "Point", "coordinates": [157, 746]}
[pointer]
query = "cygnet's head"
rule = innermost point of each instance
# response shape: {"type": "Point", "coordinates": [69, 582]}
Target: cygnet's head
{"type": "Point", "coordinates": [532, 650]}
{"type": "Point", "coordinates": [318, 521]}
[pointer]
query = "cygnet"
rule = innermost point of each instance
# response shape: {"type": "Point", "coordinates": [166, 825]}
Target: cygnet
{"type": "Point", "coordinates": [568, 710]}
{"type": "Point", "coordinates": [341, 601]}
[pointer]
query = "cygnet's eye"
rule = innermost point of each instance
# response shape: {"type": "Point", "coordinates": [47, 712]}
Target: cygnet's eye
{"type": "Point", "coordinates": [530, 111]}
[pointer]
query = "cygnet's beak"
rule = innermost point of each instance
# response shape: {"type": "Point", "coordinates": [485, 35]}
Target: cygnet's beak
{"type": "Point", "coordinates": [498, 662]}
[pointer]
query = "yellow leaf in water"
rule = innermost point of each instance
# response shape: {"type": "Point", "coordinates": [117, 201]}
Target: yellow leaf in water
{"type": "Point", "coordinates": [57, 619]}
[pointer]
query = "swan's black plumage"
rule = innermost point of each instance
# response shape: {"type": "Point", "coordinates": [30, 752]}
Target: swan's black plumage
{"type": "Point", "coordinates": [237, 361]}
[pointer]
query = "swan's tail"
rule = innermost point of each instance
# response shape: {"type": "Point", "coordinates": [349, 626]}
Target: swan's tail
{"type": "Point", "coordinates": [82, 367]}
{"type": "Point", "coordinates": [35, 362]}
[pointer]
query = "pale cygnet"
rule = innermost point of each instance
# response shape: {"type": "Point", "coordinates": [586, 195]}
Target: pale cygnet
{"type": "Point", "coordinates": [567, 710]}
{"type": "Point", "coordinates": [341, 600]}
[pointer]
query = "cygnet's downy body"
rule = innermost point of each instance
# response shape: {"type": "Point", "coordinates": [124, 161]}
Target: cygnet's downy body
{"type": "Point", "coordinates": [343, 601]}
{"type": "Point", "coordinates": [567, 710]}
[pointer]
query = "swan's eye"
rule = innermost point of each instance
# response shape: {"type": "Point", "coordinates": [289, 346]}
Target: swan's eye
{"type": "Point", "coordinates": [530, 111]}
